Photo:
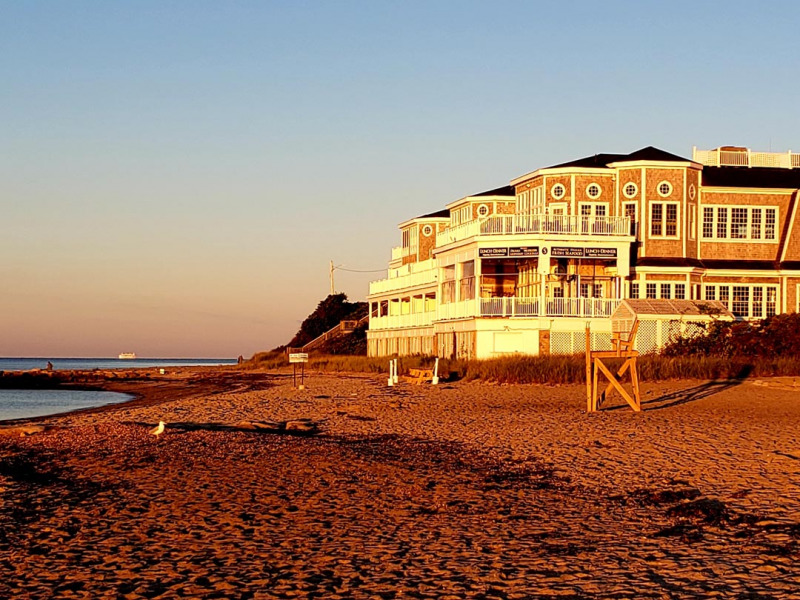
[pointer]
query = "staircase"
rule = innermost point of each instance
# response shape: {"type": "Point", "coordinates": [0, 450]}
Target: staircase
{"type": "Point", "coordinates": [343, 328]}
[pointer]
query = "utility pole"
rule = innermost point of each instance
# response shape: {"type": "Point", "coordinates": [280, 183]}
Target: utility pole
{"type": "Point", "coordinates": [332, 287]}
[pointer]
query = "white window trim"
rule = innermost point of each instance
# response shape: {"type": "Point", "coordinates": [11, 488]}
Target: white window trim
{"type": "Point", "coordinates": [663, 236]}
{"type": "Point", "coordinates": [692, 192]}
{"type": "Point", "coordinates": [478, 211]}
{"type": "Point", "coordinates": [562, 194]}
{"type": "Point", "coordinates": [729, 302]}
{"type": "Point", "coordinates": [429, 228]}
{"type": "Point", "coordinates": [557, 205]}
{"type": "Point", "coordinates": [749, 239]}
{"type": "Point", "coordinates": [635, 190]}
{"type": "Point", "coordinates": [599, 191]}
{"type": "Point", "coordinates": [669, 193]}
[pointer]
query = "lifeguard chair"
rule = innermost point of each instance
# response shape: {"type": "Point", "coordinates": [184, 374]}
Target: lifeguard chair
{"type": "Point", "coordinates": [623, 340]}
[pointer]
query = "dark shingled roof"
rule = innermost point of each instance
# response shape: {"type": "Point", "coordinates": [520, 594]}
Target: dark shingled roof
{"type": "Point", "coordinates": [506, 190]}
{"type": "Point", "coordinates": [439, 214]}
{"type": "Point", "coordinates": [602, 160]}
{"type": "Point", "coordinates": [754, 177]}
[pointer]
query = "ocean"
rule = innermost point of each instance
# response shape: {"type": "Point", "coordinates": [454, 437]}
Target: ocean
{"type": "Point", "coordinates": [59, 364]}
{"type": "Point", "coordinates": [24, 404]}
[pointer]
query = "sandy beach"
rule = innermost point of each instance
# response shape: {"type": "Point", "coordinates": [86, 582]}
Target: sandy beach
{"type": "Point", "coordinates": [462, 490]}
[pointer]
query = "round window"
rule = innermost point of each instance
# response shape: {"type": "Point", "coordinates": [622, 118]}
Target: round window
{"type": "Point", "coordinates": [558, 191]}
{"type": "Point", "coordinates": [692, 191]}
{"type": "Point", "coordinates": [483, 210]}
{"type": "Point", "coordinates": [630, 190]}
{"type": "Point", "coordinates": [593, 190]}
{"type": "Point", "coordinates": [427, 230]}
{"type": "Point", "coordinates": [664, 189]}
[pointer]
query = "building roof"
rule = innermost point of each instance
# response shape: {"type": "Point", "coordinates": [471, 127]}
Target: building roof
{"type": "Point", "coordinates": [662, 307]}
{"type": "Point", "coordinates": [506, 190]}
{"type": "Point", "coordinates": [755, 177]}
{"type": "Point", "coordinates": [439, 214]}
{"type": "Point", "coordinates": [602, 160]}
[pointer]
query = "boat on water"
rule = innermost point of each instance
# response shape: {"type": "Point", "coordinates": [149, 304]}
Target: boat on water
{"type": "Point", "coordinates": [127, 355]}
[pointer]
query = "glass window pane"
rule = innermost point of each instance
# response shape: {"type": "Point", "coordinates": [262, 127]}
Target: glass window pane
{"type": "Point", "coordinates": [656, 218]}
{"type": "Point", "coordinates": [672, 220]}
{"type": "Point", "coordinates": [769, 224]}
{"type": "Point", "coordinates": [708, 222]}
{"type": "Point", "coordinates": [722, 222]}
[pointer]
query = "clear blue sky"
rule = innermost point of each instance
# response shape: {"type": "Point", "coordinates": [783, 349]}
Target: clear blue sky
{"type": "Point", "coordinates": [175, 176]}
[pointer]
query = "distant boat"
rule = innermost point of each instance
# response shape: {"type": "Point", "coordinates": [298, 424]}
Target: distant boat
{"type": "Point", "coordinates": [127, 356]}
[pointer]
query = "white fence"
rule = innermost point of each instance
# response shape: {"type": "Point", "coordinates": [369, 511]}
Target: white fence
{"type": "Point", "coordinates": [397, 321]}
{"type": "Point", "coordinates": [746, 158]}
{"type": "Point", "coordinates": [528, 307]}
{"type": "Point", "coordinates": [537, 224]}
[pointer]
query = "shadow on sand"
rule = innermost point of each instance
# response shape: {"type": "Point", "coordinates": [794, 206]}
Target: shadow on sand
{"type": "Point", "coordinates": [299, 427]}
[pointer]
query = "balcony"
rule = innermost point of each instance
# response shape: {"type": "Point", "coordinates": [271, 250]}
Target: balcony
{"type": "Point", "coordinates": [545, 225]}
{"type": "Point", "coordinates": [744, 157]}
{"type": "Point", "coordinates": [400, 252]}
{"type": "Point", "coordinates": [408, 276]}
{"type": "Point", "coordinates": [529, 308]}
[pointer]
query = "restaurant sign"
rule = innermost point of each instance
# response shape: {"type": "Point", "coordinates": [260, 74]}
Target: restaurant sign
{"type": "Point", "coordinates": [514, 252]}
{"type": "Point", "coordinates": [563, 251]}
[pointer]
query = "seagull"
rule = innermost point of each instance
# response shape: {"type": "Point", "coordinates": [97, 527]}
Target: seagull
{"type": "Point", "coordinates": [157, 431]}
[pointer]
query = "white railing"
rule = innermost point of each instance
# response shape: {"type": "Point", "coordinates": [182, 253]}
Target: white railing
{"type": "Point", "coordinates": [538, 225]}
{"type": "Point", "coordinates": [580, 307]}
{"type": "Point", "coordinates": [404, 277]}
{"type": "Point", "coordinates": [400, 252]}
{"type": "Point", "coordinates": [746, 158]}
{"type": "Point", "coordinates": [528, 307]}
{"type": "Point", "coordinates": [510, 307]}
{"type": "Point", "coordinates": [398, 321]}
{"type": "Point", "coordinates": [456, 233]}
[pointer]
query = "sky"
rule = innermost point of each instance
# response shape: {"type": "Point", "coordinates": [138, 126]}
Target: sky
{"type": "Point", "coordinates": [176, 176]}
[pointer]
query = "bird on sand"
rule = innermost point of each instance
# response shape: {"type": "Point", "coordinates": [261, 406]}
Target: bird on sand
{"type": "Point", "coordinates": [158, 430]}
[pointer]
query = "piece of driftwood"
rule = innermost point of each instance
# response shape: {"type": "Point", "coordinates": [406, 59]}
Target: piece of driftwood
{"type": "Point", "coordinates": [22, 430]}
{"type": "Point", "coordinates": [418, 376]}
{"type": "Point", "coordinates": [290, 427]}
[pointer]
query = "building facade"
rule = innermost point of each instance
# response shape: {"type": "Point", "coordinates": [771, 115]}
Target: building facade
{"type": "Point", "coordinates": [523, 268]}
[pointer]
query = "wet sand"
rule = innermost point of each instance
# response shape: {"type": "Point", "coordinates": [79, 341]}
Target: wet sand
{"type": "Point", "coordinates": [465, 490]}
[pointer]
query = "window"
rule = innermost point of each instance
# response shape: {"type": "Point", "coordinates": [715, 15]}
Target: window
{"type": "Point", "coordinates": [634, 290]}
{"type": "Point", "coordinates": [758, 302]}
{"type": "Point", "coordinates": [741, 300]}
{"type": "Point", "coordinates": [597, 290]}
{"type": "Point", "coordinates": [711, 292]}
{"type": "Point", "coordinates": [737, 223]}
{"type": "Point", "coordinates": [722, 223]}
{"type": "Point", "coordinates": [584, 290]}
{"type": "Point", "coordinates": [483, 210]}
{"type": "Point", "coordinates": [558, 191]}
{"type": "Point", "coordinates": [665, 290]}
{"type": "Point", "coordinates": [664, 189]}
{"type": "Point", "coordinates": [692, 221]}
{"type": "Point", "coordinates": [692, 191]}
{"type": "Point", "coordinates": [664, 219]}
{"type": "Point", "coordinates": [629, 210]}
{"type": "Point", "coordinates": [593, 190]}
{"type": "Point", "coordinates": [630, 190]}
{"type": "Point", "coordinates": [680, 291]}
{"type": "Point", "coordinates": [708, 222]}
{"type": "Point", "coordinates": [651, 290]}
{"type": "Point", "coordinates": [427, 230]}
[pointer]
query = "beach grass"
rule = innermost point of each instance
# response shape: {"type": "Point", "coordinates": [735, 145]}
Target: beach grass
{"type": "Point", "coordinates": [546, 369]}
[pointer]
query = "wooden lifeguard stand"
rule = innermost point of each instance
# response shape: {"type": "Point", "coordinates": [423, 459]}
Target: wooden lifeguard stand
{"type": "Point", "coordinates": [622, 342]}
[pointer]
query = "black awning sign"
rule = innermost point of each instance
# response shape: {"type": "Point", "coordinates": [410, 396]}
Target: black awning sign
{"type": "Point", "coordinates": [583, 252]}
{"type": "Point", "coordinates": [492, 252]}
{"type": "Point", "coordinates": [524, 251]}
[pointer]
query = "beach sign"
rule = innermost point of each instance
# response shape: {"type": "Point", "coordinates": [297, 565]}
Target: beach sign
{"type": "Point", "coordinates": [302, 358]}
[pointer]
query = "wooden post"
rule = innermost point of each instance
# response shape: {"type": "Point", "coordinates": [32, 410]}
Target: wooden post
{"type": "Point", "coordinates": [589, 405]}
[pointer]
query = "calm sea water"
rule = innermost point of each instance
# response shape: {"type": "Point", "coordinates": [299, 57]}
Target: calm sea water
{"type": "Point", "coordinates": [24, 404]}
{"type": "Point", "coordinates": [25, 364]}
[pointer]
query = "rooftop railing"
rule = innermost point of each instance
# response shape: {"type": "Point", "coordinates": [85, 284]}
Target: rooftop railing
{"type": "Point", "coordinates": [567, 225]}
{"type": "Point", "coordinates": [744, 157]}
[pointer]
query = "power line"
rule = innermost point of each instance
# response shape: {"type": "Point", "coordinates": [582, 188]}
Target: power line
{"type": "Point", "coordinates": [360, 270]}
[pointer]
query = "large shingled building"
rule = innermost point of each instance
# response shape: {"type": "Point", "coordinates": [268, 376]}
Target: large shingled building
{"type": "Point", "coordinates": [522, 268]}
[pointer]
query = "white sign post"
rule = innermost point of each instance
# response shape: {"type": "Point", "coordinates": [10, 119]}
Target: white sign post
{"type": "Point", "coordinates": [302, 358]}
